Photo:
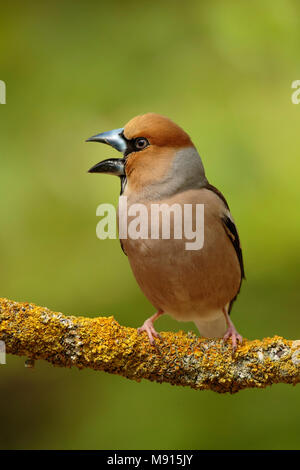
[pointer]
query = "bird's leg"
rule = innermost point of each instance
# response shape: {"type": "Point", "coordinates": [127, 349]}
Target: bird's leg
{"type": "Point", "coordinates": [149, 327]}
{"type": "Point", "coordinates": [231, 331]}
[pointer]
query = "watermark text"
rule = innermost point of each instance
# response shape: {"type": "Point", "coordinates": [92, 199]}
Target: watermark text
{"type": "Point", "coordinates": [2, 92]}
{"type": "Point", "coordinates": [153, 221]}
{"type": "Point", "coordinates": [296, 94]}
{"type": "Point", "coordinates": [2, 353]}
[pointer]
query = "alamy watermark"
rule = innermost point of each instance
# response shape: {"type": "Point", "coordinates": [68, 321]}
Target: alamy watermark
{"type": "Point", "coordinates": [2, 353]}
{"type": "Point", "coordinates": [296, 94]}
{"type": "Point", "coordinates": [153, 221]}
{"type": "Point", "coordinates": [2, 92]}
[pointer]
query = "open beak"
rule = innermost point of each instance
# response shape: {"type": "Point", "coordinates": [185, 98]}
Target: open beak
{"type": "Point", "coordinates": [112, 166]}
{"type": "Point", "coordinates": [113, 138]}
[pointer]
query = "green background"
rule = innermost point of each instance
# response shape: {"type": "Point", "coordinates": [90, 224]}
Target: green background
{"type": "Point", "coordinates": [223, 71]}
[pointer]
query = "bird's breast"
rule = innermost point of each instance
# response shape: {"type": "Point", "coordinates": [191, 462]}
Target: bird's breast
{"type": "Point", "coordinates": [183, 282]}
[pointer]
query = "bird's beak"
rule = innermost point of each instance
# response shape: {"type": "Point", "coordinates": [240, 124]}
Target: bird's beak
{"type": "Point", "coordinates": [113, 138]}
{"type": "Point", "coordinates": [112, 166]}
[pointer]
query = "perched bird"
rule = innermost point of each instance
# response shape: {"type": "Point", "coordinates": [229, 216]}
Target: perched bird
{"type": "Point", "coordinates": [161, 165]}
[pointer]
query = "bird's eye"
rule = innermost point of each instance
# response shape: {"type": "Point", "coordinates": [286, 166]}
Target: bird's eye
{"type": "Point", "coordinates": [141, 143]}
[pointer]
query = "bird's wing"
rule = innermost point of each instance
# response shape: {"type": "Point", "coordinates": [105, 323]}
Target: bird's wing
{"type": "Point", "coordinates": [122, 246]}
{"type": "Point", "coordinates": [232, 233]}
{"type": "Point", "coordinates": [230, 229]}
{"type": "Point", "coordinates": [216, 191]}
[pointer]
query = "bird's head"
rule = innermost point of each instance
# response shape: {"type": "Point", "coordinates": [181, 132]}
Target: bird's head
{"type": "Point", "coordinates": [156, 152]}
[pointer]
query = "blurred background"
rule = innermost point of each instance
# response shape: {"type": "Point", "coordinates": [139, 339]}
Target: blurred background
{"type": "Point", "coordinates": [221, 70]}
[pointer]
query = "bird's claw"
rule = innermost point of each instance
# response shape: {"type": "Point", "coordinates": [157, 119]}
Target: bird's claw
{"type": "Point", "coordinates": [234, 335]}
{"type": "Point", "coordinates": [150, 330]}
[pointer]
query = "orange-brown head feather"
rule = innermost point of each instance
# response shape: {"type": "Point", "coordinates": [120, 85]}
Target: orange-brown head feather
{"type": "Point", "coordinates": [152, 164]}
{"type": "Point", "coordinates": [159, 130]}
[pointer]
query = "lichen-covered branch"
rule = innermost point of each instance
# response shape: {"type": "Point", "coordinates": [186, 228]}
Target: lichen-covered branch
{"type": "Point", "coordinates": [178, 358]}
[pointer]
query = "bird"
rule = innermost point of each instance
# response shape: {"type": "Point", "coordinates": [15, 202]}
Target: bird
{"type": "Point", "coordinates": [161, 165]}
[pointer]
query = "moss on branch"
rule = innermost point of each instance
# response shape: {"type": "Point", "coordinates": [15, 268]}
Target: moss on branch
{"type": "Point", "coordinates": [179, 358]}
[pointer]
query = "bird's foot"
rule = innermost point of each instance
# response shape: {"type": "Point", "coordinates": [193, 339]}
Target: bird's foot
{"type": "Point", "coordinates": [234, 335]}
{"type": "Point", "coordinates": [150, 330]}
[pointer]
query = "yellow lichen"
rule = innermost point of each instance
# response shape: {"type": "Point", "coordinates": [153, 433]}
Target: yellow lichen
{"type": "Point", "coordinates": [180, 359]}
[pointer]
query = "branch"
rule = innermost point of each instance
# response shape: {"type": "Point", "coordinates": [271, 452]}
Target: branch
{"type": "Point", "coordinates": [179, 358]}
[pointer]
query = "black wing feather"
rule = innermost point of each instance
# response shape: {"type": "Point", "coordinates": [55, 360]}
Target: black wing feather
{"type": "Point", "coordinates": [233, 236]}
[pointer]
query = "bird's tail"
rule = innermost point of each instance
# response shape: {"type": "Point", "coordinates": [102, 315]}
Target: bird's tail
{"type": "Point", "coordinates": [212, 329]}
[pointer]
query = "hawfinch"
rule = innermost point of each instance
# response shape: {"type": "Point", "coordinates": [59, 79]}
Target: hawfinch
{"type": "Point", "coordinates": [161, 165]}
